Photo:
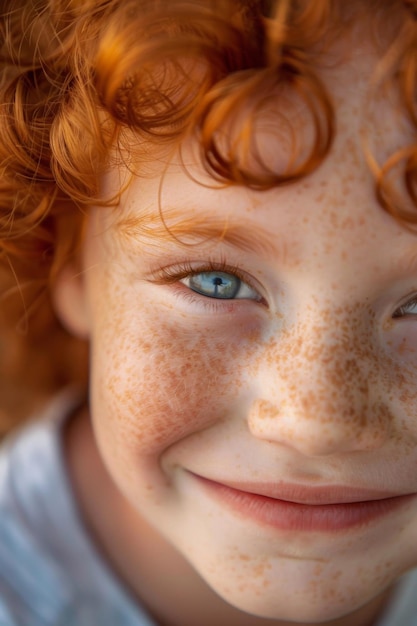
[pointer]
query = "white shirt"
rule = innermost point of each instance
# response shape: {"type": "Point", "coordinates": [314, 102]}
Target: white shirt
{"type": "Point", "coordinates": [51, 574]}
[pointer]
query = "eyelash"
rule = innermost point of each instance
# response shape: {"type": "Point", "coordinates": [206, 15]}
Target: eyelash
{"type": "Point", "coordinates": [401, 310]}
{"type": "Point", "coordinates": [173, 274]}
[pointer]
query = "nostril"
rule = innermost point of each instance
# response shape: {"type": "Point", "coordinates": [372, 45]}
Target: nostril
{"type": "Point", "coordinates": [319, 431]}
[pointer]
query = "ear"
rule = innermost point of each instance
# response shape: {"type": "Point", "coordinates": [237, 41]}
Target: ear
{"type": "Point", "coordinates": [69, 301]}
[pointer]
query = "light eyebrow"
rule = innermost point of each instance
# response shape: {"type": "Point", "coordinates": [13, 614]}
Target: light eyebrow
{"type": "Point", "coordinates": [198, 230]}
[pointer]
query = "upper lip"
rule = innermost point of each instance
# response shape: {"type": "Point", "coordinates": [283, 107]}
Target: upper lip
{"type": "Point", "coordinates": [313, 495]}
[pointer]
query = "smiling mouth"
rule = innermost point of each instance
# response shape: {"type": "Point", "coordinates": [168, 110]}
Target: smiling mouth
{"type": "Point", "coordinates": [325, 509]}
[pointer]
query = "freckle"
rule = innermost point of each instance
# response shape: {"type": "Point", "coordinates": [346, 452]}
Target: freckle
{"type": "Point", "coordinates": [403, 346]}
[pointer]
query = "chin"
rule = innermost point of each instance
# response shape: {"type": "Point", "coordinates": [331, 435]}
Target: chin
{"type": "Point", "coordinates": [299, 610]}
{"type": "Point", "coordinates": [310, 598]}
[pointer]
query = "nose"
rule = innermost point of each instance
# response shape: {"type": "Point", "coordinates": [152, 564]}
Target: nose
{"type": "Point", "coordinates": [319, 399]}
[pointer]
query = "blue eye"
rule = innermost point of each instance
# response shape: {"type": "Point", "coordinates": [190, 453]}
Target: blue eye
{"type": "Point", "coordinates": [220, 285]}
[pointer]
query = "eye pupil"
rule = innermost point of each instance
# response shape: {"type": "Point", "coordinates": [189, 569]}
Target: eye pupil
{"type": "Point", "coordinates": [215, 284]}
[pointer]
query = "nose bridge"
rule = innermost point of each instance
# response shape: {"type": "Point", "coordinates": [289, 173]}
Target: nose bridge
{"type": "Point", "coordinates": [318, 397]}
{"type": "Point", "coordinates": [325, 380]}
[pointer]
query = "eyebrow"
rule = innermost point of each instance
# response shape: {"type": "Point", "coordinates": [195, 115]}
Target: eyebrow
{"type": "Point", "coordinates": [198, 230]}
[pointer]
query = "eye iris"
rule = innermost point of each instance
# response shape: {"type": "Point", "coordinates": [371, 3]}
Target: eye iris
{"type": "Point", "coordinates": [215, 284]}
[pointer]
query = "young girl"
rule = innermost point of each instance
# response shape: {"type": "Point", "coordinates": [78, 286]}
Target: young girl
{"type": "Point", "coordinates": [218, 198]}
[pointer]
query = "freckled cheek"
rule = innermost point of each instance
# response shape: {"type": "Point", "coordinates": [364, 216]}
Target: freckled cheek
{"type": "Point", "coordinates": [162, 379]}
{"type": "Point", "coordinates": [400, 367]}
{"type": "Point", "coordinates": [402, 342]}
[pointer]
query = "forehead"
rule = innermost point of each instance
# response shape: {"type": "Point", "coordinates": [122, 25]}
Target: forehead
{"type": "Point", "coordinates": [370, 123]}
{"type": "Point", "coordinates": [174, 199]}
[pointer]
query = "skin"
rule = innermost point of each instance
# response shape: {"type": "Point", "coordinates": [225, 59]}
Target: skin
{"type": "Point", "coordinates": [310, 381]}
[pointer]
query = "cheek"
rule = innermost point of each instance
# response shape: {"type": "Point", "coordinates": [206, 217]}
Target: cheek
{"type": "Point", "coordinates": [400, 367]}
{"type": "Point", "coordinates": [402, 341]}
{"type": "Point", "coordinates": [157, 378]}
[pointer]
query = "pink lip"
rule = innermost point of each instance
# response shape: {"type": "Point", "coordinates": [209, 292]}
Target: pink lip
{"type": "Point", "coordinates": [295, 507]}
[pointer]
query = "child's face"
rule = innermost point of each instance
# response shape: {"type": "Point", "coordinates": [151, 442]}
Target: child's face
{"type": "Point", "coordinates": [299, 386]}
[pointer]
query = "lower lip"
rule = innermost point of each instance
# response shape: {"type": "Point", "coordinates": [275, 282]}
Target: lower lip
{"type": "Point", "coordinates": [293, 516]}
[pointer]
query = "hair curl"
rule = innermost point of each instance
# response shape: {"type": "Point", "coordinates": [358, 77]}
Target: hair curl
{"type": "Point", "coordinates": [78, 77]}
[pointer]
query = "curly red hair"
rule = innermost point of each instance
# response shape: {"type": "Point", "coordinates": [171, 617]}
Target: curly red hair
{"type": "Point", "coordinates": [79, 77]}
